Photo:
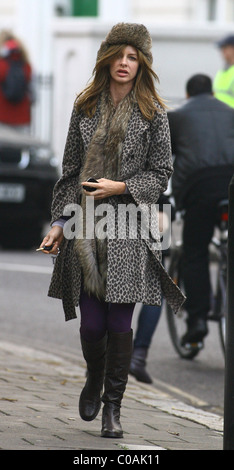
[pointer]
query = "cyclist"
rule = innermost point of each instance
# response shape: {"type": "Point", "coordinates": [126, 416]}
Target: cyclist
{"type": "Point", "coordinates": [202, 136]}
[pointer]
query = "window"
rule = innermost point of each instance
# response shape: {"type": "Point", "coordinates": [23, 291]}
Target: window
{"type": "Point", "coordinates": [230, 11]}
{"type": "Point", "coordinates": [212, 10]}
{"type": "Point", "coordinates": [84, 7]}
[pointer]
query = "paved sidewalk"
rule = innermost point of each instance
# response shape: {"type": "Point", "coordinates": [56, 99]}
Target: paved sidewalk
{"type": "Point", "coordinates": [39, 410]}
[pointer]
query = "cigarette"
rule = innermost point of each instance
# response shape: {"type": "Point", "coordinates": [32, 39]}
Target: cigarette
{"type": "Point", "coordinates": [46, 248]}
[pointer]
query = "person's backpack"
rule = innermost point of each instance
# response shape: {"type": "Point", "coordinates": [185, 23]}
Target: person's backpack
{"type": "Point", "coordinates": [15, 85]}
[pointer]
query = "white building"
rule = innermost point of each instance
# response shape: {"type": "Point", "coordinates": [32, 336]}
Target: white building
{"type": "Point", "coordinates": [183, 10]}
{"type": "Point", "coordinates": [63, 47]}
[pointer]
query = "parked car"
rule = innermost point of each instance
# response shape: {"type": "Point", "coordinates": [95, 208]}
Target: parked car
{"type": "Point", "coordinates": [28, 172]}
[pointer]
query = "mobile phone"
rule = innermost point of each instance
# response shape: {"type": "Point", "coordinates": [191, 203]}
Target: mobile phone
{"type": "Point", "coordinates": [88, 188]}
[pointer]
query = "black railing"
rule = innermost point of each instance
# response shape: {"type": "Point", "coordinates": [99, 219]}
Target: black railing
{"type": "Point", "coordinates": [228, 441]}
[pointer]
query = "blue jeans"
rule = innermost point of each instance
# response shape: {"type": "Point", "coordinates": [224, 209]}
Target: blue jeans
{"type": "Point", "coordinates": [147, 322]}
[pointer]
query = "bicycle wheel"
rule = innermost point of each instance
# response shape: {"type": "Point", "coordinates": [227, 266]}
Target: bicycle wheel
{"type": "Point", "coordinates": [177, 323]}
{"type": "Point", "coordinates": [222, 304]}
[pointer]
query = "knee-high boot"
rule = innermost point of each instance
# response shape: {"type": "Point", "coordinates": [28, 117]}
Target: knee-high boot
{"type": "Point", "coordinates": [119, 351]}
{"type": "Point", "coordinates": [90, 397]}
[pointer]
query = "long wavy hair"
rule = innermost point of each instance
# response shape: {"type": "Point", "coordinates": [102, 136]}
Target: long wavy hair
{"type": "Point", "coordinates": [145, 91]}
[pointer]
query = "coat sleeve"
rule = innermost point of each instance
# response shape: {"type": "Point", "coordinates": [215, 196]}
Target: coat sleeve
{"type": "Point", "coordinates": [147, 185]}
{"type": "Point", "coordinates": [66, 190]}
{"type": "Point", "coordinates": [173, 119]}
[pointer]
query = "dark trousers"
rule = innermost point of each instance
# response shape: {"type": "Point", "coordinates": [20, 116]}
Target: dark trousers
{"type": "Point", "coordinates": [147, 323]}
{"type": "Point", "coordinates": [199, 224]}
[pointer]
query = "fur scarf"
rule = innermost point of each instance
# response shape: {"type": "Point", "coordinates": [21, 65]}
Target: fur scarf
{"type": "Point", "coordinates": [103, 160]}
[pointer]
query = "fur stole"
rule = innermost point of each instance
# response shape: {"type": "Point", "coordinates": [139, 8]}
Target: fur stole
{"type": "Point", "coordinates": [103, 160]}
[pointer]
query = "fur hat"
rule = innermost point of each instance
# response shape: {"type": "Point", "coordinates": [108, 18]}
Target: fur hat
{"type": "Point", "coordinates": [133, 34]}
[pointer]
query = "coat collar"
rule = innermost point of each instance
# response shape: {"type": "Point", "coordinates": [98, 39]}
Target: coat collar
{"type": "Point", "coordinates": [89, 125]}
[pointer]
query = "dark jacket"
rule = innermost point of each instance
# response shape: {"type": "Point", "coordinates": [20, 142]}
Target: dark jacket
{"type": "Point", "coordinates": [202, 136]}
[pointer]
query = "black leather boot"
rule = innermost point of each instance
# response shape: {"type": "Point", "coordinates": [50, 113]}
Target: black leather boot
{"type": "Point", "coordinates": [119, 351]}
{"type": "Point", "coordinates": [90, 397]}
{"type": "Point", "coordinates": [138, 365]}
{"type": "Point", "coordinates": [197, 330]}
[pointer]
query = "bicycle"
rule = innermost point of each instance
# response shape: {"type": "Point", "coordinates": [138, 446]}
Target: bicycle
{"type": "Point", "coordinates": [218, 255]}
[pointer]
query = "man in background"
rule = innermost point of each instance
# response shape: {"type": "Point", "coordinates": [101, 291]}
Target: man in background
{"type": "Point", "coordinates": [223, 85]}
{"type": "Point", "coordinates": [202, 135]}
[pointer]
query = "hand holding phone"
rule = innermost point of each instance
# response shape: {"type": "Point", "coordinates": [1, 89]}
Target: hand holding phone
{"type": "Point", "coordinates": [89, 188]}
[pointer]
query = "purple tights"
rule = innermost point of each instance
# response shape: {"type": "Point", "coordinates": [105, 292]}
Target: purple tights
{"type": "Point", "coordinates": [97, 317]}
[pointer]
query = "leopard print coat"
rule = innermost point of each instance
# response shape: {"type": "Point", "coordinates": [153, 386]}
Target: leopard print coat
{"type": "Point", "coordinates": [134, 269]}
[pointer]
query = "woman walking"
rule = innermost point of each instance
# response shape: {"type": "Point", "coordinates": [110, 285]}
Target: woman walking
{"type": "Point", "coordinates": [119, 136]}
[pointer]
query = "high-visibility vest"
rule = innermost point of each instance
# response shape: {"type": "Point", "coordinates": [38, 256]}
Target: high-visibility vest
{"type": "Point", "coordinates": [223, 86]}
